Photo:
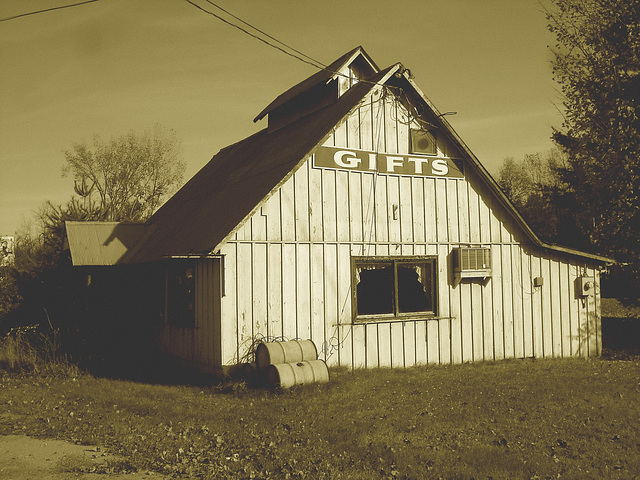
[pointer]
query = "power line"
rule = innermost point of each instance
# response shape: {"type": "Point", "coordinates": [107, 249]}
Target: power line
{"type": "Point", "coordinates": [266, 34]}
{"type": "Point", "coordinates": [307, 59]}
{"type": "Point", "coordinates": [254, 36]}
{"type": "Point", "coordinates": [316, 63]}
{"type": "Point", "coordinates": [46, 10]}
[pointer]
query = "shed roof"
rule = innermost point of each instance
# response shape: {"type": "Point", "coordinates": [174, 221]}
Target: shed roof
{"type": "Point", "coordinates": [101, 243]}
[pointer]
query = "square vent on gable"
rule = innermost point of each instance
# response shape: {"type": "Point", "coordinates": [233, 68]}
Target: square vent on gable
{"type": "Point", "coordinates": [423, 142]}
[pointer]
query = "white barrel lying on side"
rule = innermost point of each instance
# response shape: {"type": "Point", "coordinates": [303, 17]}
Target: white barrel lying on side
{"type": "Point", "coordinates": [292, 351]}
{"type": "Point", "coordinates": [287, 375]}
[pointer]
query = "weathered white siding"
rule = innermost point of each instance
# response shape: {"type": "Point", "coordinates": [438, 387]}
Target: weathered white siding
{"type": "Point", "coordinates": [288, 268]}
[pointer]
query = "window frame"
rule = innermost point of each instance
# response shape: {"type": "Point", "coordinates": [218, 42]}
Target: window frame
{"type": "Point", "coordinates": [358, 261]}
{"type": "Point", "coordinates": [187, 317]}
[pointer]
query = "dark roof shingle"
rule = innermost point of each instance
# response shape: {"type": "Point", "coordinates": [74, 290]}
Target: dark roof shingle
{"type": "Point", "coordinates": [236, 180]}
{"type": "Point", "coordinates": [321, 76]}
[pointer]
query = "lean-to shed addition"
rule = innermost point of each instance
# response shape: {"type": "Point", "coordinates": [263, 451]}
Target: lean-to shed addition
{"type": "Point", "coordinates": [359, 219]}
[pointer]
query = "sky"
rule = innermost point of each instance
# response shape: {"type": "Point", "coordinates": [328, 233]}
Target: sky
{"type": "Point", "coordinates": [112, 66]}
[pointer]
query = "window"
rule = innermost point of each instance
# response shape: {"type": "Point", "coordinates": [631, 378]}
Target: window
{"type": "Point", "coordinates": [181, 293]}
{"type": "Point", "coordinates": [393, 287]}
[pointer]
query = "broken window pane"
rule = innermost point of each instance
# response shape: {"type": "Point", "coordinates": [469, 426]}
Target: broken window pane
{"type": "Point", "coordinates": [414, 288]}
{"type": "Point", "coordinates": [394, 287]}
{"type": "Point", "coordinates": [375, 289]}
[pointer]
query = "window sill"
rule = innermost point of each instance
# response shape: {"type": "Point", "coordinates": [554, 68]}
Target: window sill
{"type": "Point", "coordinates": [389, 319]}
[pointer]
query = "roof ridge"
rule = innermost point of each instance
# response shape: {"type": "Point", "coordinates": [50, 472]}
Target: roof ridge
{"type": "Point", "coordinates": [320, 76]}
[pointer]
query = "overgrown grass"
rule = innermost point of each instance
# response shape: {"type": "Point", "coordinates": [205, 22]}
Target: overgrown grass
{"type": "Point", "coordinates": [27, 349]}
{"type": "Point", "coordinates": [527, 419]}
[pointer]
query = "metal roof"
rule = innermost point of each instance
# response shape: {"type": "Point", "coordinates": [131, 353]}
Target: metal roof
{"type": "Point", "coordinates": [101, 243]}
{"type": "Point", "coordinates": [217, 201]}
{"type": "Point", "coordinates": [208, 208]}
{"type": "Point", "coordinates": [323, 76]}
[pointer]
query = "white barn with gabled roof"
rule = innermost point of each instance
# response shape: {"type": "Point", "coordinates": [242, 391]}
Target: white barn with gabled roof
{"type": "Point", "coordinates": [359, 219]}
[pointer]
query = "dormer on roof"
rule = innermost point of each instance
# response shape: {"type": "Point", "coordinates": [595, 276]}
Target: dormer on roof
{"type": "Point", "coordinates": [319, 90]}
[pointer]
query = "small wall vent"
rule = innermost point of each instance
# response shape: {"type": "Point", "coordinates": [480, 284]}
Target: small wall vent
{"type": "Point", "coordinates": [471, 262]}
{"type": "Point", "coordinates": [423, 142]}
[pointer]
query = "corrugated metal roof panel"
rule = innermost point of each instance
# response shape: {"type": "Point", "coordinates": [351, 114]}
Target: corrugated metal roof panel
{"type": "Point", "coordinates": [101, 243]}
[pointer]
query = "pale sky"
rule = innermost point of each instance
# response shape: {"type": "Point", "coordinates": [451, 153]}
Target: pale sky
{"type": "Point", "coordinates": [113, 66]}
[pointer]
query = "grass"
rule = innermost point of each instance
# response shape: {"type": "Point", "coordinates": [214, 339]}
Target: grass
{"type": "Point", "coordinates": [27, 349]}
{"type": "Point", "coordinates": [525, 419]}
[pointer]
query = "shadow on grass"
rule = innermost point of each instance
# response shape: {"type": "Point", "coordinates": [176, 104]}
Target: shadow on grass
{"type": "Point", "coordinates": [621, 337]}
{"type": "Point", "coordinates": [152, 367]}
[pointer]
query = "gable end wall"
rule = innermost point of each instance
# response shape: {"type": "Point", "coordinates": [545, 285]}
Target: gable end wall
{"type": "Point", "coordinates": [288, 269]}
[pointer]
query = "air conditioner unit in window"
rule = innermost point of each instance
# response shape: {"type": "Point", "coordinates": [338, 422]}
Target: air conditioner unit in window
{"type": "Point", "coordinates": [471, 262]}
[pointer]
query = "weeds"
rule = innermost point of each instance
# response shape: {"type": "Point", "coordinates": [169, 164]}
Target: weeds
{"type": "Point", "coordinates": [28, 350]}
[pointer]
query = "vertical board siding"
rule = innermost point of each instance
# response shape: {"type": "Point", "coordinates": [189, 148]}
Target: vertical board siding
{"type": "Point", "coordinates": [341, 205]}
{"type": "Point", "coordinates": [536, 309]}
{"type": "Point", "coordinates": [507, 301]}
{"type": "Point", "coordinates": [275, 293]}
{"type": "Point", "coordinates": [288, 268]}
{"type": "Point", "coordinates": [547, 312]}
{"type": "Point", "coordinates": [466, 320]}
{"type": "Point", "coordinates": [498, 312]}
{"type": "Point", "coordinates": [343, 328]}
{"type": "Point", "coordinates": [201, 345]}
{"type": "Point", "coordinates": [244, 299]}
{"type": "Point", "coordinates": [331, 316]}
{"type": "Point", "coordinates": [302, 206]}
{"type": "Point", "coordinates": [373, 350]}
{"type": "Point", "coordinates": [317, 311]}
{"type": "Point", "coordinates": [526, 280]}
{"type": "Point", "coordinates": [289, 312]}
{"type": "Point", "coordinates": [565, 310]}
{"type": "Point", "coordinates": [477, 322]}
{"type": "Point", "coordinates": [556, 318]}
{"type": "Point", "coordinates": [303, 292]}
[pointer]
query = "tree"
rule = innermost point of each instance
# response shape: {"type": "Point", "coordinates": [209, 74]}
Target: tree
{"type": "Point", "coordinates": [128, 177]}
{"type": "Point", "coordinates": [597, 64]}
{"type": "Point", "coordinates": [536, 188]}
{"type": "Point", "coordinates": [516, 182]}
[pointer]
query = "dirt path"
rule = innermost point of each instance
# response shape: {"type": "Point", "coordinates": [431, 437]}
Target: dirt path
{"type": "Point", "coordinates": [26, 458]}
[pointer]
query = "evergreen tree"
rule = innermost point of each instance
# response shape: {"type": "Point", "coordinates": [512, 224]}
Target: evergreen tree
{"type": "Point", "coordinates": [597, 64]}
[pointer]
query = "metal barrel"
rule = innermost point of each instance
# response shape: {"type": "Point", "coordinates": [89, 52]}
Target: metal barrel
{"type": "Point", "coordinates": [285, 375]}
{"type": "Point", "coordinates": [292, 351]}
{"type": "Point", "coordinates": [248, 371]}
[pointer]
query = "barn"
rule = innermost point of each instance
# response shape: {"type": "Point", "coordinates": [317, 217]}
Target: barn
{"type": "Point", "coordinates": [359, 219]}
